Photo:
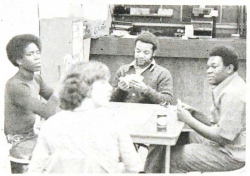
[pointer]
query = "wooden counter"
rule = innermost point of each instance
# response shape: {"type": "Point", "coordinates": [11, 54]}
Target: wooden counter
{"type": "Point", "coordinates": [169, 46]}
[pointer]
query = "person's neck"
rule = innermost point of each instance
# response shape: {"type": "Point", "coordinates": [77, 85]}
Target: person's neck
{"type": "Point", "coordinates": [142, 66]}
{"type": "Point", "coordinates": [26, 74]}
{"type": "Point", "coordinates": [86, 104]}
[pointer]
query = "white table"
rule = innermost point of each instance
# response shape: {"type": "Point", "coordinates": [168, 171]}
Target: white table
{"type": "Point", "coordinates": [140, 120]}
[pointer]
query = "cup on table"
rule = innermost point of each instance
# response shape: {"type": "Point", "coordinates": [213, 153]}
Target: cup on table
{"type": "Point", "coordinates": [162, 121]}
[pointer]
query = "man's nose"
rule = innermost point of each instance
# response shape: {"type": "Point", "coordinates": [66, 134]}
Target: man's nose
{"type": "Point", "coordinates": [37, 56]}
{"type": "Point", "coordinates": [209, 70]}
{"type": "Point", "coordinates": [141, 55]}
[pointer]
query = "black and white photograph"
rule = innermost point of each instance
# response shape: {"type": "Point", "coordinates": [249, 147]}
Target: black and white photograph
{"type": "Point", "coordinates": [124, 87]}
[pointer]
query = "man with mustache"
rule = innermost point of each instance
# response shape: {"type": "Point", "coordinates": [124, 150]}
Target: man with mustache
{"type": "Point", "coordinates": [157, 84]}
{"type": "Point", "coordinates": [150, 83]}
{"type": "Point", "coordinates": [219, 141]}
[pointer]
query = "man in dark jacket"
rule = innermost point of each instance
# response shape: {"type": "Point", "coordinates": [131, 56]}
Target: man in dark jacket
{"type": "Point", "coordinates": [153, 86]}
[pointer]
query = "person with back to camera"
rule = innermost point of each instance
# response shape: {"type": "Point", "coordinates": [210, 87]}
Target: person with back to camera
{"type": "Point", "coordinates": [219, 142]}
{"type": "Point", "coordinates": [84, 137]}
{"type": "Point", "coordinates": [22, 102]}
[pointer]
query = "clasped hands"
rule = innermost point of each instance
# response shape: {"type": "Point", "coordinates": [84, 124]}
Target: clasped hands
{"type": "Point", "coordinates": [132, 82]}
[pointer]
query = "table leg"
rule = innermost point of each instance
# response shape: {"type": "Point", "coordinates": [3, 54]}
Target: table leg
{"type": "Point", "coordinates": [167, 161]}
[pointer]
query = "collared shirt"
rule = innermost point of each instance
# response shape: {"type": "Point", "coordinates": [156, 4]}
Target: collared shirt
{"type": "Point", "coordinates": [229, 114]}
{"type": "Point", "coordinates": [139, 70]}
{"type": "Point", "coordinates": [157, 78]}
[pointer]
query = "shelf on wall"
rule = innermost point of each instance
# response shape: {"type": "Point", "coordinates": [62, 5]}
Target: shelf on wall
{"type": "Point", "coordinates": [220, 26]}
{"type": "Point", "coordinates": [159, 24]}
{"type": "Point", "coordinates": [140, 15]}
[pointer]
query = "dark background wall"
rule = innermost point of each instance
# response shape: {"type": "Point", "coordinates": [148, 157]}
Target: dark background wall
{"type": "Point", "coordinates": [230, 16]}
{"type": "Point", "coordinates": [185, 59]}
{"type": "Point", "coordinates": [190, 84]}
{"type": "Point", "coordinates": [182, 13]}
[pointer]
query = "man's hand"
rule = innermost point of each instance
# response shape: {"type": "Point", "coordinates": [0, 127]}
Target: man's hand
{"type": "Point", "coordinates": [123, 85]}
{"type": "Point", "coordinates": [183, 114]}
{"type": "Point", "coordinates": [139, 86]}
{"type": "Point", "coordinates": [187, 107]}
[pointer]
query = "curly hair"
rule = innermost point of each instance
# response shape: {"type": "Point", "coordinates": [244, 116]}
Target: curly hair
{"type": "Point", "coordinates": [228, 55]}
{"type": "Point", "coordinates": [78, 80]}
{"type": "Point", "coordinates": [148, 37]}
{"type": "Point", "coordinates": [16, 46]}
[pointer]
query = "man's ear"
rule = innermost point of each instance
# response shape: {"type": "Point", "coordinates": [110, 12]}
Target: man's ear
{"type": "Point", "coordinates": [154, 52]}
{"type": "Point", "coordinates": [19, 62]}
{"type": "Point", "coordinates": [230, 68]}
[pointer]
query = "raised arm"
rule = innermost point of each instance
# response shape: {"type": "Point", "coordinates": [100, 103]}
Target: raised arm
{"type": "Point", "coordinates": [196, 113]}
{"type": "Point", "coordinates": [209, 132]}
{"type": "Point", "coordinates": [232, 114]}
{"type": "Point", "coordinates": [21, 94]}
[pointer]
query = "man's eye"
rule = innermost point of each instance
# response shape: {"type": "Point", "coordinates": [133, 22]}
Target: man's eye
{"type": "Point", "coordinates": [213, 67]}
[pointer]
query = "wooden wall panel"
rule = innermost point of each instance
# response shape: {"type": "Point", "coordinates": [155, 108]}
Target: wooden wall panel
{"type": "Point", "coordinates": [190, 83]}
{"type": "Point", "coordinates": [169, 47]}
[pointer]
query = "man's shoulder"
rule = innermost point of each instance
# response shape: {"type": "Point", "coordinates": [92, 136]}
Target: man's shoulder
{"type": "Point", "coordinates": [125, 68]}
{"type": "Point", "coordinates": [53, 121]}
{"type": "Point", "coordinates": [13, 83]}
{"type": "Point", "coordinates": [236, 88]}
{"type": "Point", "coordinates": [236, 84]}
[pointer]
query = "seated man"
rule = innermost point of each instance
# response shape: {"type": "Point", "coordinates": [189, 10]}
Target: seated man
{"type": "Point", "coordinates": [220, 144]}
{"type": "Point", "coordinates": [153, 86]}
{"type": "Point", "coordinates": [156, 86]}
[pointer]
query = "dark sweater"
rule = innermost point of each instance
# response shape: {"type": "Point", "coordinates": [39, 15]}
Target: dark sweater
{"type": "Point", "coordinates": [22, 103]}
{"type": "Point", "coordinates": [158, 80]}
